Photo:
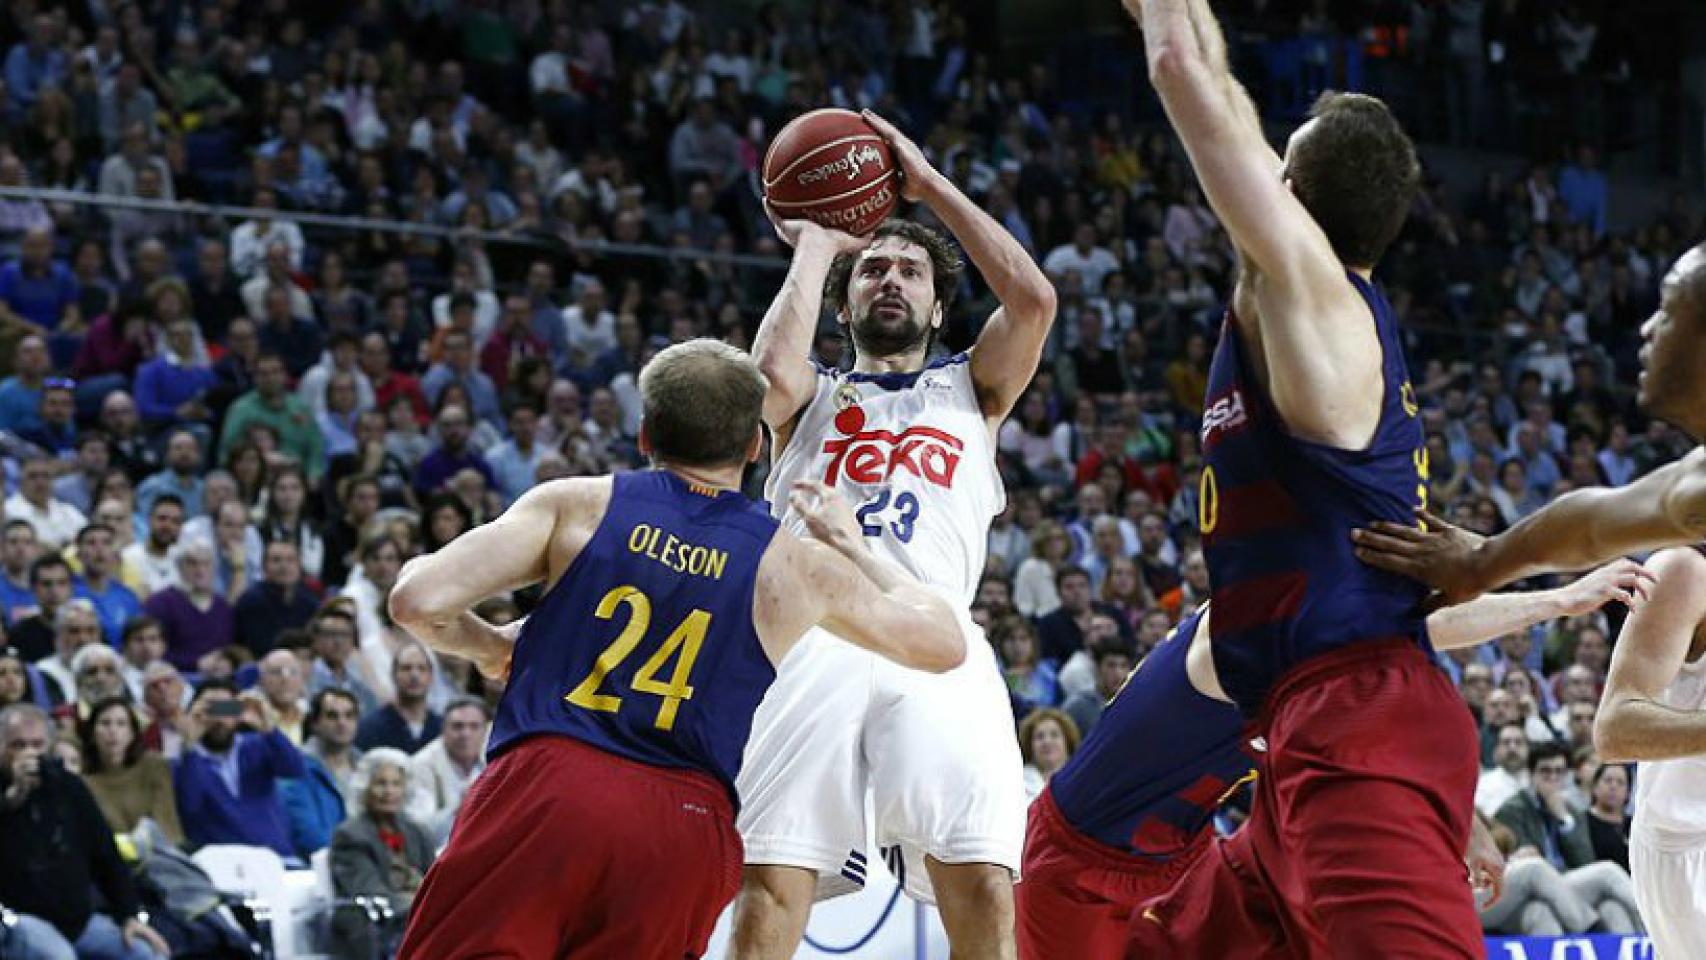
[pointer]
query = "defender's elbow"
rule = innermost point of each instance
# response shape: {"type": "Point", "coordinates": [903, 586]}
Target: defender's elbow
{"type": "Point", "coordinates": [411, 603]}
{"type": "Point", "coordinates": [946, 653]}
{"type": "Point", "coordinates": [1610, 740]}
{"type": "Point", "coordinates": [1173, 64]}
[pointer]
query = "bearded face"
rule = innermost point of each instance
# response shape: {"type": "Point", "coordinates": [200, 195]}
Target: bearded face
{"type": "Point", "coordinates": [891, 298]}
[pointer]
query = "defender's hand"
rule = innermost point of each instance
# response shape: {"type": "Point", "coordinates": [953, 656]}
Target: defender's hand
{"type": "Point", "coordinates": [1440, 555]}
{"type": "Point", "coordinates": [918, 177]}
{"type": "Point", "coordinates": [1624, 581]}
{"type": "Point", "coordinates": [827, 515]}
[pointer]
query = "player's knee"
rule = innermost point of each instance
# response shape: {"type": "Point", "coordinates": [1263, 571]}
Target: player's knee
{"type": "Point", "coordinates": [776, 890]}
{"type": "Point", "coordinates": [976, 886]}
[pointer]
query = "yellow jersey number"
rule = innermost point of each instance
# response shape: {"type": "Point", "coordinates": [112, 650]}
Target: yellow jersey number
{"type": "Point", "coordinates": [1208, 502]}
{"type": "Point", "coordinates": [686, 640]}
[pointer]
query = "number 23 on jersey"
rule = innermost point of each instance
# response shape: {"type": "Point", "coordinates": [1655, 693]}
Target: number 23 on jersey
{"type": "Point", "coordinates": [685, 640]}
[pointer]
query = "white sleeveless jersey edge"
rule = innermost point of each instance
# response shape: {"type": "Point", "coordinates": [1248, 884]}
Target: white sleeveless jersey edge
{"type": "Point", "coordinates": [913, 455]}
{"type": "Point", "coordinates": [1670, 795]}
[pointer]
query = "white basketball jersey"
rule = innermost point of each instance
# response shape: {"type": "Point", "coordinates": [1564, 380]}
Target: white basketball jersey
{"type": "Point", "coordinates": [1670, 795]}
{"type": "Point", "coordinates": [912, 453]}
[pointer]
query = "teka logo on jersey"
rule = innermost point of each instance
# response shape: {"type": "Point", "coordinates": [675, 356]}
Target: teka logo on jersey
{"type": "Point", "coordinates": [1223, 414]}
{"type": "Point", "coordinates": [872, 456]}
{"type": "Point", "coordinates": [850, 163]}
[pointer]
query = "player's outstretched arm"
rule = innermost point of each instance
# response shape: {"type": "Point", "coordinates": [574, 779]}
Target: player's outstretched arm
{"type": "Point", "coordinates": [783, 344]}
{"type": "Point", "coordinates": [1012, 340]}
{"type": "Point", "coordinates": [1666, 508]}
{"type": "Point", "coordinates": [1320, 347]}
{"type": "Point", "coordinates": [1496, 614]}
{"type": "Point", "coordinates": [1633, 723]}
{"type": "Point", "coordinates": [435, 592]}
{"type": "Point", "coordinates": [833, 580]}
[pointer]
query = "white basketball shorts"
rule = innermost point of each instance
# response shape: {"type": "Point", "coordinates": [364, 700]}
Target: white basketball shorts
{"type": "Point", "coordinates": [936, 751]}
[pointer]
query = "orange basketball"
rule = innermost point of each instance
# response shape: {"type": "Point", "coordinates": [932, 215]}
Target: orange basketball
{"type": "Point", "coordinates": [829, 166]}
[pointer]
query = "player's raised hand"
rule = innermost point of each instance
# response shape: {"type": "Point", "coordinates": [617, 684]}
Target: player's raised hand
{"type": "Point", "coordinates": [1623, 581]}
{"type": "Point", "coordinates": [918, 177]}
{"type": "Point", "coordinates": [1443, 556]}
{"type": "Point", "coordinates": [827, 516]}
{"type": "Point", "coordinates": [800, 233]}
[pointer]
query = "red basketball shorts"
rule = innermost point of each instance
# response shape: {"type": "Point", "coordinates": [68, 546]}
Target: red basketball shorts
{"type": "Point", "coordinates": [1354, 847]}
{"type": "Point", "coordinates": [564, 850]}
{"type": "Point", "coordinates": [1077, 896]}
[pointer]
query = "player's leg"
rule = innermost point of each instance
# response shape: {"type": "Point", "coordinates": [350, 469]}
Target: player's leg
{"type": "Point", "coordinates": [486, 894]}
{"type": "Point", "coordinates": [1073, 902]}
{"type": "Point", "coordinates": [948, 793]}
{"type": "Point", "coordinates": [1219, 907]}
{"type": "Point", "coordinates": [1371, 777]}
{"type": "Point", "coordinates": [976, 903]}
{"type": "Point", "coordinates": [802, 787]}
{"type": "Point", "coordinates": [771, 911]}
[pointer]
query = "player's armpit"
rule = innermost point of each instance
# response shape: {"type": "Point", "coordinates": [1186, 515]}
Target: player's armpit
{"type": "Point", "coordinates": [1633, 723]}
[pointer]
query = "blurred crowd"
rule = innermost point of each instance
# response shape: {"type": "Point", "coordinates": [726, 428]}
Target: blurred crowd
{"type": "Point", "coordinates": [224, 432]}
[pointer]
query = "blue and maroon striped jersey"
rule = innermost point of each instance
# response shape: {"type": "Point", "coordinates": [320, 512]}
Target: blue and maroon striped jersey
{"type": "Point", "coordinates": [1276, 514]}
{"type": "Point", "coordinates": [645, 646]}
{"type": "Point", "coordinates": [1155, 767]}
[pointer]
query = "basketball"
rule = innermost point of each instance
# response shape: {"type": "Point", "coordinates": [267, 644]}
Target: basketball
{"type": "Point", "coordinates": [829, 166]}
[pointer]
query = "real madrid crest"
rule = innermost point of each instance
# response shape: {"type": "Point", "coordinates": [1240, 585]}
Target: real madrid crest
{"type": "Point", "coordinates": [846, 395]}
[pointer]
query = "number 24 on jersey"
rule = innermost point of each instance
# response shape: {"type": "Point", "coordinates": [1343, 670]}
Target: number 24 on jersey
{"type": "Point", "coordinates": [685, 640]}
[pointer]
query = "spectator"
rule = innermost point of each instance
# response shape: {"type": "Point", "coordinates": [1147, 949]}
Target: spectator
{"type": "Point", "coordinates": [271, 405]}
{"type": "Point", "coordinates": [1034, 591]}
{"type": "Point", "coordinates": [389, 383]}
{"type": "Point", "coordinates": [361, 501]}
{"type": "Point", "coordinates": [195, 619]}
{"type": "Point", "coordinates": [342, 352]}
{"type": "Point", "coordinates": [408, 723]}
{"type": "Point", "coordinates": [452, 455]}
{"type": "Point", "coordinates": [378, 852]}
{"type": "Point", "coordinates": [127, 103]}
{"type": "Point", "coordinates": [56, 522]}
{"type": "Point", "coordinates": [1607, 820]}
{"type": "Point", "coordinates": [368, 590]}
{"type": "Point", "coordinates": [1030, 680]}
{"type": "Point", "coordinates": [316, 803]}
{"type": "Point", "coordinates": [57, 434]}
{"type": "Point", "coordinates": [152, 557]}
{"type": "Point", "coordinates": [131, 450]}
{"type": "Point", "coordinates": [18, 550]}
{"type": "Point", "coordinates": [458, 368]}
{"type": "Point", "coordinates": [284, 327]}
{"type": "Point", "coordinates": [113, 601]}
{"type": "Point", "coordinates": [20, 393]}
{"type": "Point", "coordinates": [252, 239]}
{"type": "Point", "coordinates": [282, 684]}
{"type": "Point", "coordinates": [286, 518]}
{"type": "Point", "coordinates": [1047, 739]}
{"type": "Point", "coordinates": [60, 852]}
{"type": "Point", "coordinates": [1084, 257]}
{"type": "Point", "coordinates": [280, 601]}
{"type": "Point", "coordinates": [1509, 774]}
{"type": "Point", "coordinates": [1544, 825]}
{"type": "Point", "coordinates": [512, 342]}
{"type": "Point", "coordinates": [443, 770]}
{"type": "Point", "coordinates": [337, 662]}
{"type": "Point", "coordinates": [181, 477]}
{"type": "Point", "coordinates": [35, 64]}
{"type": "Point", "coordinates": [16, 679]}
{"type": "Point", "coordinates": [37, 289]}
{"type": "Point", "coordinates": [703, 146]}
{"type": "Point", "coordinates": [1062, 632]}
{"type": "Point", "coordinates": [129, 781]}
{"type": "Point", "coordinates": [514, 462]}
{"type": "Point", "coordinates": [174, 387]}
{"type": "Point", "coordinates": [468, 306]}
{"type": "Point", "coordinates": [166, 696]}
{"type": "Point", "coordinates": [77, 485]}
{"type": "Point", "coordinates": [36, 635]}
{"type": "Point", "coordinates": [142, 643]}
{"type": "Point", "coordinates": [226, 780]}
{"type": "Point", "coordinates": [1113, 665]}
